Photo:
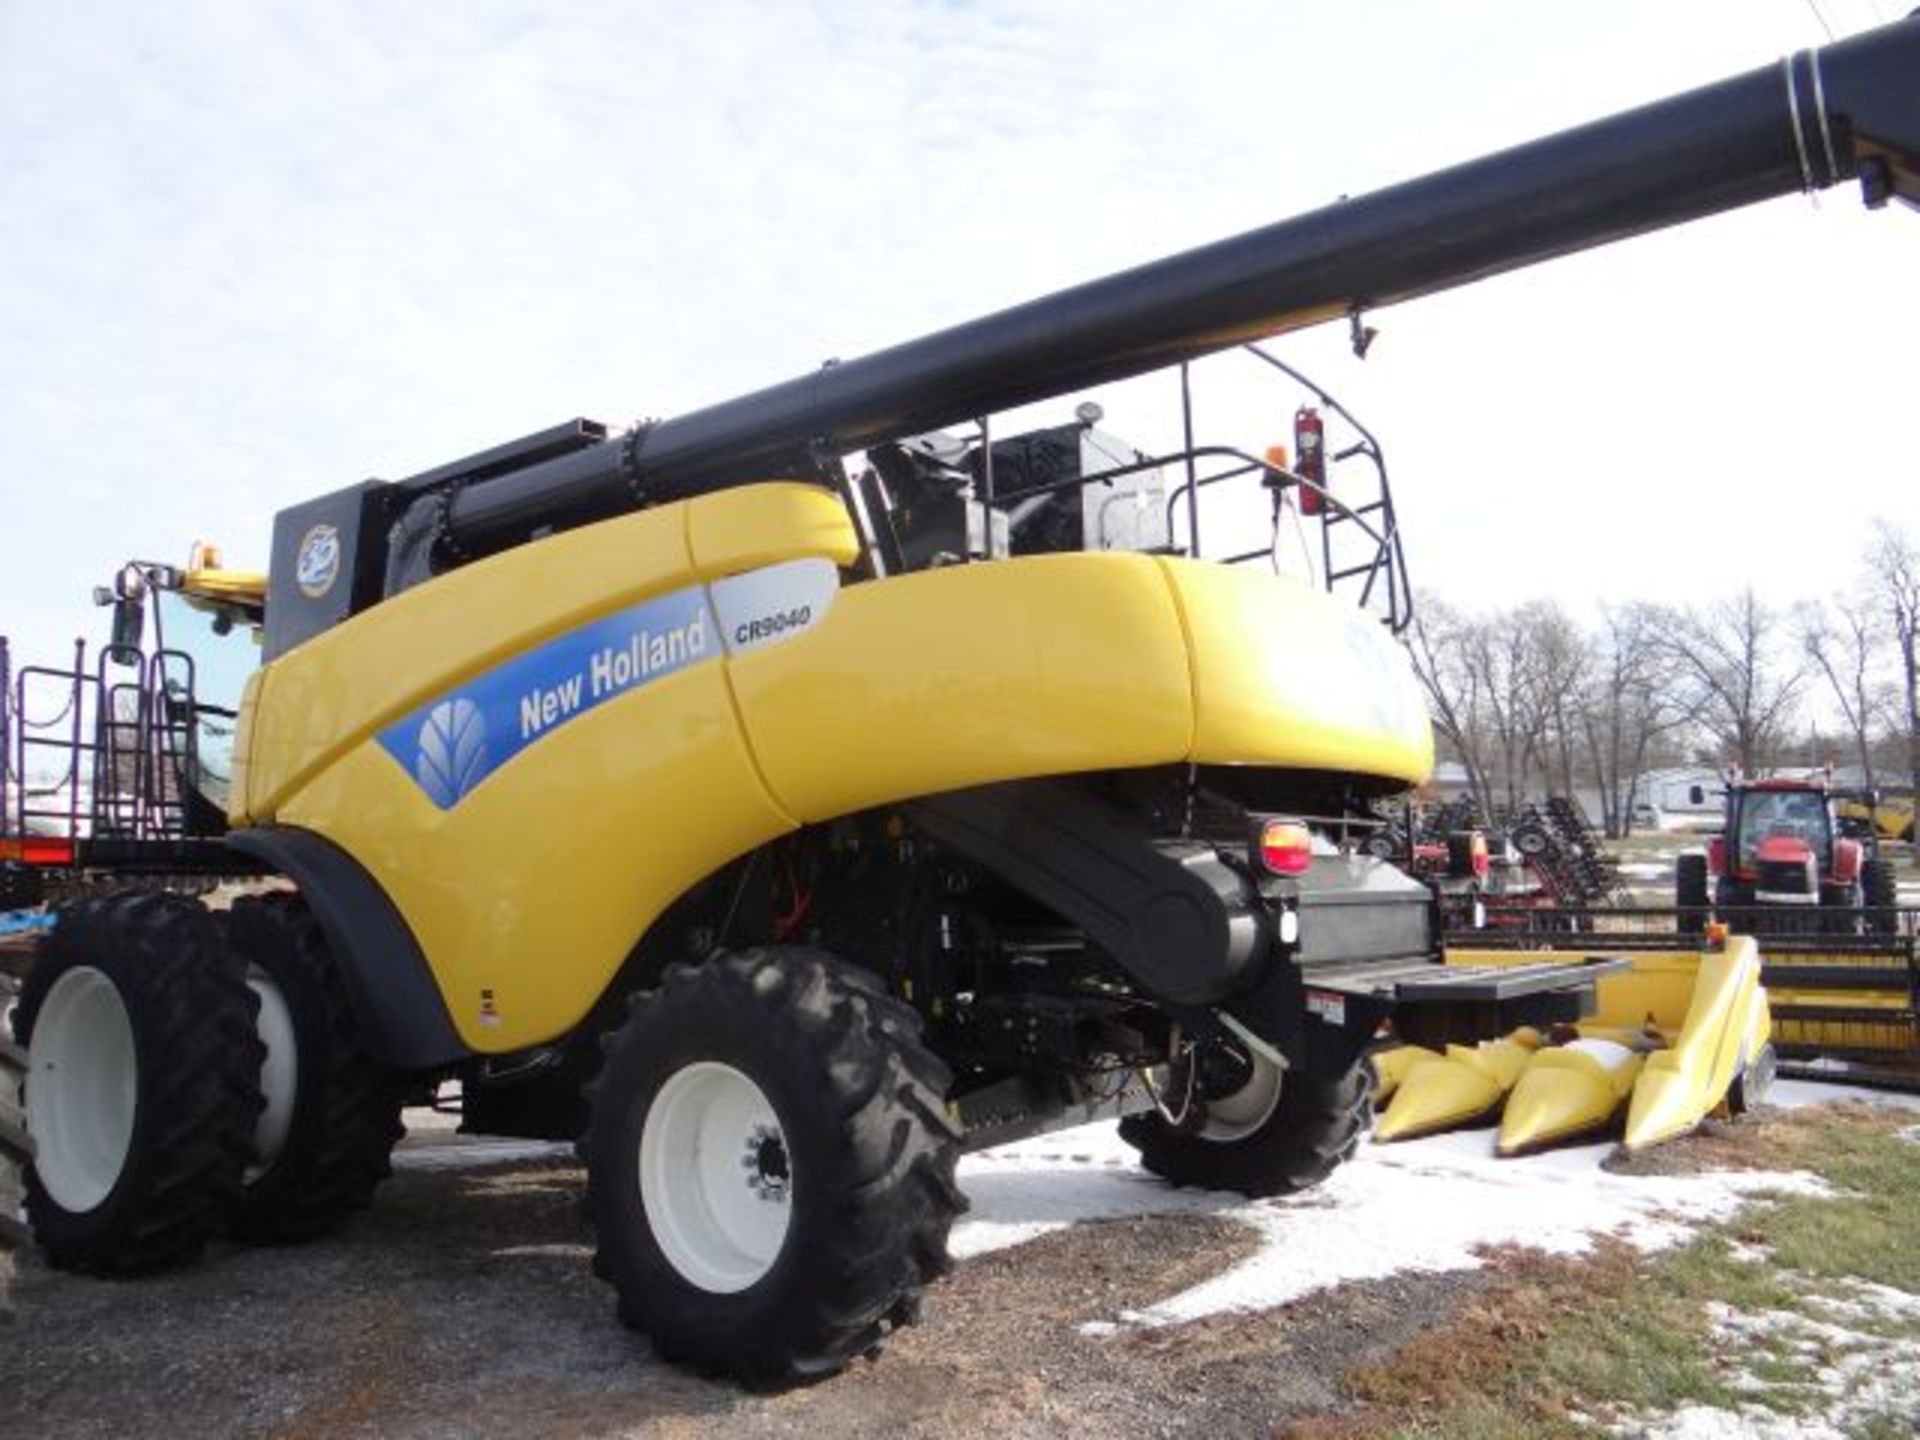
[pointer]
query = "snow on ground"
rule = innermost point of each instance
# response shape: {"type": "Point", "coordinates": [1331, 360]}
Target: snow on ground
{"type": "Point", "coordinates": [1644, 871]}
{"type": "Point", "coordinates": [1853, 1376]}
{"type": "Point", "coordinates": [1421, 1205]}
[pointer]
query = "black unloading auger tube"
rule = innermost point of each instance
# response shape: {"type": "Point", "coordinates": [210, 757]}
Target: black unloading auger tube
{"type": "Point", "coordinates": [1849, 110]}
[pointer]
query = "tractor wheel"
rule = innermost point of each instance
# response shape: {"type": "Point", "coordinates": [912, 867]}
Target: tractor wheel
{"type": "Point", "coordinates": [142, 1082]}
{"type": "Point", "coordinates": [769, 1165]}
{"type": "Point", "coordinates": [1840, 909]}
{"type": "Point", "coordinates": [16, 1150]}
{"type": "Point", "coordinates": [1279, 1132]}
{"type": "Point", "coordinates": [1881, 894]}
{"type": "Point", "coordinates": [332, 1114]}
{"type": "Point", "coordinates": [1753, 1084]}
{"type": "Point", "coordinates": [1690, 892]}
{"type": "Point", "coordinates": [1734, 904]}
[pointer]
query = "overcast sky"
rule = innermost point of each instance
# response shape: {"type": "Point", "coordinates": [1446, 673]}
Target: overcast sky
{"type": "Point", "coordinates": [251, 252]}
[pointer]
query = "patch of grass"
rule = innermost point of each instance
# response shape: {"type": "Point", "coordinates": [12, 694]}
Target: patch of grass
{"type": "Point", "coordinates": [1617, 1332]}
{"type": "Point", "coordinates": [1882, 1427]}
{"type": "Point", "coordinates": [1869, 1230]}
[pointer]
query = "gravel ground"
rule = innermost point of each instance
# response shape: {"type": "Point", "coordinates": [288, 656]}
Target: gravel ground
{"type": "Point", "coordinates": [461, 1305]}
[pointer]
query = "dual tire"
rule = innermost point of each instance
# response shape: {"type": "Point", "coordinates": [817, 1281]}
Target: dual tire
{"type": "Point", "coordinates": [187, 1077]}
{"type": "Point", "coordinates": [16, 1148]}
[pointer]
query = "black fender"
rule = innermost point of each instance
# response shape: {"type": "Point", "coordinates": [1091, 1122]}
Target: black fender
{"type": "Point", "coordinates": [1173, 915]}
{"type": "Point", "coordinates": [386, 974]}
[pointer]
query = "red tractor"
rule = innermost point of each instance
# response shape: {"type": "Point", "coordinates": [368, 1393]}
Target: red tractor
{"type": "Point", "coordinates": [1782, 864]}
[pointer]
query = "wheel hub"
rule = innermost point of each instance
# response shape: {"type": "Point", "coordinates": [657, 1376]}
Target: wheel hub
{"type": "Point", "coordinates": [716, 1177]}
{"type": "Point", "coordinates": [766, 1164]}
{"type": "Point", "coordinates": [82, 1089]}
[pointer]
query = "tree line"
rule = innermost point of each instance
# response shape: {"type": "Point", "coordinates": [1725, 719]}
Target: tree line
{"type": "Point", "coordinates": [1528, 699]}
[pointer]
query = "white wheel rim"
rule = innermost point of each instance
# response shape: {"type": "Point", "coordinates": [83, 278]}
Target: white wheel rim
{"type": "Point", "coordinates": [1236, 1116]}
{"type": "Point", "coordinates": [279, 1072]}
{"type": "Point", "coordinates": [715, 1177]}
{"type": "Point", "coordinates": [83, 1084]}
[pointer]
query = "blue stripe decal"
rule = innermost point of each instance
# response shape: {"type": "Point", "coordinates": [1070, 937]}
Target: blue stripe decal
{"type": "Point", "coordinates": [453, 742]}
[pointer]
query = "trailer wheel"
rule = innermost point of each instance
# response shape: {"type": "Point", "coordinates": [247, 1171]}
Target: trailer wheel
{"type": "Point", "coordinates": [16, 1150]}
{"type": "Point", "coordinates": [1532, 841]}
{"type": "Point", "coordinates": [769, 1165]}
{"type": "Point", "coordinates": [332, 1115]}
{"type": "Point", "coordinates": [1280, 1132]}
{"type": "Point", "coordinates": [141, 1089]}
{"type": "Point", "coordinates": [1690, 893]}
{"type": "Point", "coordinates": [1881, 894]}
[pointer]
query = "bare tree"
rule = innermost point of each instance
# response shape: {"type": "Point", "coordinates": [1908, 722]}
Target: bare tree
{"type": "Point", "coordinates": [1893, 567]}
{"type": "Point", "coordinates": [1745, 694]}
{"type": "Point", "coordinates": [1841, 639]}
{"type": "Point", "coordinates": [1498, 652]}
{"type": "Point", "coordinates": [1559, 658]}
{"type": "Point", "coordinates": [1629, 705]}
{"type": "Point", "coordinates": [1439, 640]}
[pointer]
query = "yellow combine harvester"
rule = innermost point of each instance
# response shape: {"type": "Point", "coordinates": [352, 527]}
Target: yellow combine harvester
{"type": "Point", "coordinates": [827, 793]}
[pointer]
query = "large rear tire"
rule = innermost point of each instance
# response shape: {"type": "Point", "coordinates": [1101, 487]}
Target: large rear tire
{"type": "Point", "coordinates": [142, 1083]}
{"type": "Point", "coordinates": [769, 1165]}
{"type": "Point", "coordinates": [332, 1115]}
{"type": "Point", "coordinates": [1690, 893]}
{"type": "Point", "coordinates": [16, 1150]}
{"type": "Point", "coordinates": [1880, 892]}
{"type": "Point", "coordinates": [1279, 1133]}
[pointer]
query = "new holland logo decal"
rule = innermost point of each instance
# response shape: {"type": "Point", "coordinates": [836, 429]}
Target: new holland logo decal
{"type": "Point", "coordinates": [453, 742]}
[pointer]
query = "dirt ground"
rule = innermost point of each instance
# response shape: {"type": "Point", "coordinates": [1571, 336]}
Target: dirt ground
{"type": "Point", "coordinates": [461, 1305]}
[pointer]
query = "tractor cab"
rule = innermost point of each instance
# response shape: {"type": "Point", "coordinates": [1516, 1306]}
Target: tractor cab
{"type": "Point", "coordinates": [1784, 846]}
{"type": "Point", "coordinates": [1783, 838]}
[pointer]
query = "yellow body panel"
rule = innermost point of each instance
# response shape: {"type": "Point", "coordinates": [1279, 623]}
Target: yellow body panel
{"type": "Point", "coordinates": [328, 696]}
{"type": "Point", "coordinates": [956, 677]}
{"type": "Point", "coordinates": [527, 890]}
{"type": "Point", "coordinates": [527, 896]}
{"type": "Point", "coordinates": [1285, 675]}
{"type": "Point", "coordinates": [737, 530]}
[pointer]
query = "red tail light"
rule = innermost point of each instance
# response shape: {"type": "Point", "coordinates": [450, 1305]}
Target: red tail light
{"type": "Point", "coordinates": [38, 850]}
{"type": "Point", "coordinates": [1286, 847]}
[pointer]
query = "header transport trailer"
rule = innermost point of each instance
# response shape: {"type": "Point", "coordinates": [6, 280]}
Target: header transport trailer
{"type": "Point", "coordinates": [827, 819]}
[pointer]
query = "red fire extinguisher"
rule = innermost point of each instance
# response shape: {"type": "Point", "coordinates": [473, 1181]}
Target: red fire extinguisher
{"type": "Point", "coordinates": [1309, 448]}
